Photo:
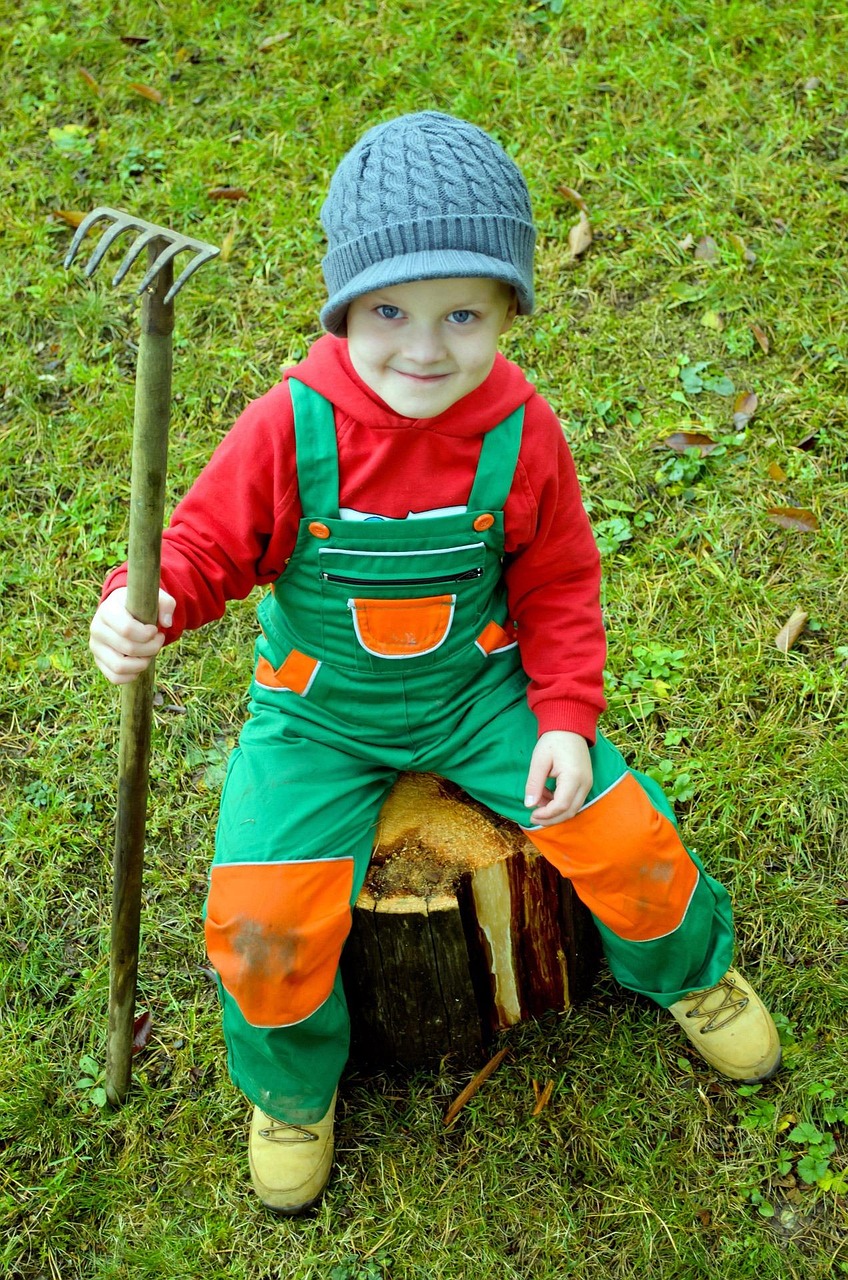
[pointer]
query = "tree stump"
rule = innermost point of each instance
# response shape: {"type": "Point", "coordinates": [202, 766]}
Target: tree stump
{"type": "Point", "coordinates": [462, 929]}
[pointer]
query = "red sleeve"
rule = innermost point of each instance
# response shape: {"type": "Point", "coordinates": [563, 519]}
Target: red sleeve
{"type": "Point", "coordinates": [237, 525]}
{"type": "Point", "coordinates": [552, 572]}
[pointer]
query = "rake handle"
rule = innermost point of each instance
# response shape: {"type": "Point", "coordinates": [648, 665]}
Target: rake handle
{"type": "Point", "coordinates": [147, 507]}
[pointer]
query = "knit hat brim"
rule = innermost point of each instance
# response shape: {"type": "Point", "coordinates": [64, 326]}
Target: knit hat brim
{"type": "Point", "coordinates": [426, 264]}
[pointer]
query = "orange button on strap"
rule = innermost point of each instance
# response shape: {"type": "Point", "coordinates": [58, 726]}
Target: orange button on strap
{"type": "Point", "coordinates": [319, 530]}
{"type": "Point", "coordinates": [484, 522]}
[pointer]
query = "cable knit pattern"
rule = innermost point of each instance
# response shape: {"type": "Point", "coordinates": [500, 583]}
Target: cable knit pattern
{"type": "Point", "coordinates": [422, 197]}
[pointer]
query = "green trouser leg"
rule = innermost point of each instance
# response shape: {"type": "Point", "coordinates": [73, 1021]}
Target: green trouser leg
{"type": "Point", "coordinates": [295, 804]}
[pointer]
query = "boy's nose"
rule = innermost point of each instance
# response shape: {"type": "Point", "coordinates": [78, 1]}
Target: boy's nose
{"type": "Point", "coordinates": [424, 345]}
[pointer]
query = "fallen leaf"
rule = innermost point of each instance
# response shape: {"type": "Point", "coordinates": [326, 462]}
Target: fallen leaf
{"type": "Point", "coordinates": [73, 217]}
{"type": "Point", "coordinates": [791, 629]}
{"type": "Point", "coordinates": [687, 243]}
{"type": "Point", "coordinates": [580, 236]}
{"type": "Point", "coordinates": [146, 91]}
{"type": "Point", "coordinates": [762, 340]}
{"type": "Point", "coordinates": [680, 441]}
{"type": "Point", "coordinates": [227, 193]}
{"type": "Point", "coordinates": [575, 198]}
{"type": "Point", "coordinates": [90, 80]}
{"type": "Point", "coordinates": [776, 472]}
{"type": "Point", "coordinates": [712, 320]}
{"type": "Point", "coordinates": [543, 1098]}
{"type": "Point", "coordinates": [705, 1217]}
{"type": "Point", "coordinates": [800, 518]}
{"type": "Point", "coordinates": [744, 408]}
{"type": "Point", "coordinates": [135, 40]}
{"type": "Point", "coordinates": [471, 1088]}
{"type": "Point", "coordinates": [228, 242]}
{"type": "Point", "coordinates": [706, 250]}
{"type": "Point", "coordinates": [809, 442]}
{"type": "Point", "coordinates": [142, 1027]}
{"type": "Point", "coordinates": [270, 42]}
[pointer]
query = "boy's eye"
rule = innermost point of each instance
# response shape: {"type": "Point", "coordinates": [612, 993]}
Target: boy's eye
{"type": "Point", "coordinates": [461, 317]}
{"type": "Point", "coordinates": [387, 311]}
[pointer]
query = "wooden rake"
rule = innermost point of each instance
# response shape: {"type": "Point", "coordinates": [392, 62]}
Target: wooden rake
{"type": "Point", "coordinates": [147, 505]}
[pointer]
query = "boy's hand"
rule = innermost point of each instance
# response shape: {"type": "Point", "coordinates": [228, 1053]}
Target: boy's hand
{"type": "Point", "coordinates": [122, 646]}
{"type": "Point", "coordinates": [564, 757]}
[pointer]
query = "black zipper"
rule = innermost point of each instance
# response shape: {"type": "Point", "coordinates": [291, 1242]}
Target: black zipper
{"type": "Point", "coordinates": [404, 582]}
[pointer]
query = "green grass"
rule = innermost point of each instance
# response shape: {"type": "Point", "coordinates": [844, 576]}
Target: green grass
{"type": "Point", "coordinates": [673, 120]}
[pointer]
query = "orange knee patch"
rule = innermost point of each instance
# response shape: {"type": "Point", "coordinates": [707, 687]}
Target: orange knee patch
{"type": "Point", "coordinates": [274, 933]}
{"type": "Point", "coordinates": [626, 862]}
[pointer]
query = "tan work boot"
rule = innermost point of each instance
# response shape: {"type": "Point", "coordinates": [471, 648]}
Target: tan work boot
{"type": "Point", "coordinates": [730, 1026]}
{"type": "Point", "coordinates": [290, 1163]}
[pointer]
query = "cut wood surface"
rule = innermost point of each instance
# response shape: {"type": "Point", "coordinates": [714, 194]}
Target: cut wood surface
{"type": "Point", "coordinates": [462, 929]}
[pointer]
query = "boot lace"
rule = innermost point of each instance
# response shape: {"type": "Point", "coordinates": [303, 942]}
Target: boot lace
{"type": "Point", "coordinates": [276, 1131]}
{"type": "Point", "coordinates": [731, 1004]}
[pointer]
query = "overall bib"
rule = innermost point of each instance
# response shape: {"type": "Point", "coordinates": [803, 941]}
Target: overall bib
{"type": "Point", "coordinates": [386, 646]}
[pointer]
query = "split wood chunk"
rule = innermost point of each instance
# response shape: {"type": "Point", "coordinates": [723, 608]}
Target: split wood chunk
{"type": "Point", "coordinates": [461, 930]}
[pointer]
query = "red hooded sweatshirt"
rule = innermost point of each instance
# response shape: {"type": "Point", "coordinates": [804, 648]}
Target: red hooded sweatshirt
{"type": "Point", "coordinates": [237, 525]}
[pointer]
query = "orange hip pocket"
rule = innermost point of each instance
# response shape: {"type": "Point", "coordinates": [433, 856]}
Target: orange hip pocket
{"type": "Point", "coordinates": [402, 628]}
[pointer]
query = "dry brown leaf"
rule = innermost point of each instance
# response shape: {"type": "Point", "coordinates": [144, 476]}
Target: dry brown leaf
{"type": "Point", "coordinates": [706, 249]}
{"type": "Point", "coordinates": [791, 629]}
{"type": "Point", "coordinates": [146, 91]}
{"type": "Point", "coordinates": [89, 80]}
{"type": "Point", "coordinates": [687, 243]}
{"type": "Point", "coordinates": [761, 338]}
{"type": "Point", "coordinates": [575, 198]}
{"type": "Point", "coordinates": [135, 40]}
{"type": "Point", "coordinates": [680, 441]}
{"type": "Point", "coordinates": [473, 1085]}
{"type": "Point", "coordinates": [580, 236]}
{"type": "Point", "coordinates": [744, 407]}
{"type": "Point", "coordinates": [776, 472]}
{"type": "Point", "coordinates": [809, 442]}
{"type": "Point", "coordinates": [227, 193]}
{"type": "Point", "coordinates": [270, 42]}
{"type": "Point", "coordinates": [800, 518]}
{"type": "Point", "coordinates": [543, 1098]}
{"type": "Point", "coordinates": [73, 217]}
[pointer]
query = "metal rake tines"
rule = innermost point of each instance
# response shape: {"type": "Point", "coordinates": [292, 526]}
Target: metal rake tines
{"type": "Point", "coordinates": [148, 231]}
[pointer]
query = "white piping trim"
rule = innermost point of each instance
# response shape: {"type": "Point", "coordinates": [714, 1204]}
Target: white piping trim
{"type": "Point", "coordinates": [282, 862]}
{"type": "Point", "coordinates": [419, 653]}
{"type": "Point", "coordinates": [445, 551]}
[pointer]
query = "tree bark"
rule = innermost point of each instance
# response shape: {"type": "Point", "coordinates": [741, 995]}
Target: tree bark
{"type": "Point", "coordinates": [461, 930]}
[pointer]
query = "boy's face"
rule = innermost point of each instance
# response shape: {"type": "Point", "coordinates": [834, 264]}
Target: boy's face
{"type": "Point", "coordinates": [424, 345]}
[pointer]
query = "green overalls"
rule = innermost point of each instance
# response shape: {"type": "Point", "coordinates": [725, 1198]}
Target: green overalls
{"type": "Point", "coordinates": [386, 646]}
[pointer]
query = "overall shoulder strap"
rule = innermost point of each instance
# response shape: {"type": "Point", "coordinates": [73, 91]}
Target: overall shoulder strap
{"type": "Point", "coordinates": [316, 450]}
{"type": "Point", "coordinates": [496, 467]}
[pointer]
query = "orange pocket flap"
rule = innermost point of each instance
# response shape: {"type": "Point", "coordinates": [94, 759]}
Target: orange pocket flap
{"type": "Point", "coordinates": [296, 673]}
{"type": "Point", "coordinates": [494, 638]}
{"type": "Point", "coordinates": [402, 628]}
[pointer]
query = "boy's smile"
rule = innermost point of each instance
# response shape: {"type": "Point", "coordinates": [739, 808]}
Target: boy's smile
{"type": "Point", "coordinates": [423, 345]}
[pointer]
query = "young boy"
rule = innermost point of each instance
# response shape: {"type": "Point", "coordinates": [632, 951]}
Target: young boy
{"type": "Point", "coordinates": [412, 501]}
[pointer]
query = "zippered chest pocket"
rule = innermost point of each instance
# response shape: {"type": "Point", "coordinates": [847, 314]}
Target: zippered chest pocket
{"type": "Point", "coordinates": [399, 572]}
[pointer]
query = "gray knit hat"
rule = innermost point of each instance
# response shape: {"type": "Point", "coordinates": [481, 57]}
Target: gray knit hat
{"type": "Point", "coordinates": [424, 197]}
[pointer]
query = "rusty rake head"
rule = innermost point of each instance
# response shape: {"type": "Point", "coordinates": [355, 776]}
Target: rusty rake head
{"type": "Point", "coordinates": [148, 232]}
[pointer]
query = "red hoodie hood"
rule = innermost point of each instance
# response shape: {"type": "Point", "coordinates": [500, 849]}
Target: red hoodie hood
{"type": "Point", "coordinates": [328, 370]}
